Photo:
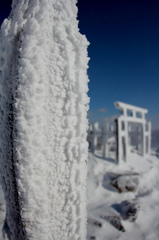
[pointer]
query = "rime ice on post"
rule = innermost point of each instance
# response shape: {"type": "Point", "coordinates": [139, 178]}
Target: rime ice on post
{"type": "Point", "coordinates": [43, 108]}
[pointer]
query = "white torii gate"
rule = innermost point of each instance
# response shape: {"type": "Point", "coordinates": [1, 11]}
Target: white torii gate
{"type": "Point", "coordinates": [132, 114]}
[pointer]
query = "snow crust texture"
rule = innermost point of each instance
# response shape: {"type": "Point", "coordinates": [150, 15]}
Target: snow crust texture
{"type": "Point", "coordinates": [129, 208]}
{"type": "Point", "coordinates": [43, 108]}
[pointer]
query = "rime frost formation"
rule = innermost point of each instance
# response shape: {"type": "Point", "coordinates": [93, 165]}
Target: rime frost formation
{"type": "Point", "coordinates": [43, 108]}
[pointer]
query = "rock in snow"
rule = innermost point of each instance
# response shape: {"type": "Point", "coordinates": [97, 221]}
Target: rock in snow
{"type": "Point", "coordinates": [43, 109]}
{"type": "Point", "coordinates": [129, 210]}
{"type": "Point", "coordinates": [114, 221]}
{"type": "Point", "coordinates": [126, 182]}
{"type": "Point", "coordinates": [128, 214]}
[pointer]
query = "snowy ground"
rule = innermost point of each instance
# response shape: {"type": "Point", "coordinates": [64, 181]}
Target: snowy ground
{"type": "Point", "coordinates": [109, 215]}
{"type": "Point", "coordinates": [123, 201]}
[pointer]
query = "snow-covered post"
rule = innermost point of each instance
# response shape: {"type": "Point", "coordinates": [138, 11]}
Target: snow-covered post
{"type": "Point", "coordinates": [95, 136]}
{"type": "Point", "coordinates": [129, 134]}
{"type": "Point", "coordinates": [143, 131]}
{"type": "Point", "coordinates": [149, 137]}
{"type": "Point", "coordinates": [105, 139]}
{"type": "Point", "coordinates": [139, 140]}
{"type": "Point", "coordinates": [90, 136]}
{"type": "Point", "coordinates": [43, 126]}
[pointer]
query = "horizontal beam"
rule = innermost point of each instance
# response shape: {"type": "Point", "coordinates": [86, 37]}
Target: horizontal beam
{"type": "Point", "coordinates": [125, 106]}
{"type": "Point", "coordinates": [132, 119]}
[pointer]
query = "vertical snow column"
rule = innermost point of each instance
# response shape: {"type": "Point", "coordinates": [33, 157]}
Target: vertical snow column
{"type": "Point", "coordinates": [95, 135]}
{"type": "Point", "coordinates": [43, 107]}
{"type": "Point", "coordinates": [105, 139]}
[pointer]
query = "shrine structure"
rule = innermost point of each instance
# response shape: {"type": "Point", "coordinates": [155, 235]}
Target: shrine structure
{"type": "Point", "coordinates": [131, 115]}
{"type": "Point", "coordinates": [129, 132]}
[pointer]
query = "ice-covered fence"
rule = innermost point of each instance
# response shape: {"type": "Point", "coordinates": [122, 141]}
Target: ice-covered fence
{"type": "Point", "coordinates": [102, 138]}
{"type": "Point", "coordinates": [109, 140]}
{"type": "Point", "coordinates": [94, 136]}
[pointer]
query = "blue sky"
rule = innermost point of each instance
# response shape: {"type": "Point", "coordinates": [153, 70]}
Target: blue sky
{"type": "Point", "coordinates": [124, 52]}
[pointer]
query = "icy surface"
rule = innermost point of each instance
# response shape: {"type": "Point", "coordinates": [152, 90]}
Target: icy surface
{"type": "Point", "coordinates": [128, 214]}
{"type": "Point", "coordinates": [43, 108]}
